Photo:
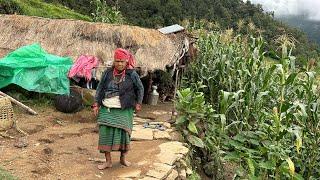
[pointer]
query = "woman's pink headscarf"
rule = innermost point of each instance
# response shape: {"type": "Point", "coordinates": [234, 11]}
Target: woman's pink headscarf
{"type": "Point", "coordinates": [125, 55]}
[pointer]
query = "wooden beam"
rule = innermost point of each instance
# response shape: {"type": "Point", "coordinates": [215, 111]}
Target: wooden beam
{"type": "Point", "coordinates": [31, 111]}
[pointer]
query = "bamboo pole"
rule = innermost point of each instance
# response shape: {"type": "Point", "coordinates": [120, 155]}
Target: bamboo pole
{"type": "Point", "coordinates": [31, 111]}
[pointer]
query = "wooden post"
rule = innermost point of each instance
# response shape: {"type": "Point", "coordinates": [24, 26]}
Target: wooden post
{"type": "Point", "coordinates": [31, 111]}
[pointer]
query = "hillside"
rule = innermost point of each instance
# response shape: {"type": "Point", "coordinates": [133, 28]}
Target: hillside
{"type": "Point", "coordinates": [39, 8]}
{"type": "Point", "coordinates": [310, 27]}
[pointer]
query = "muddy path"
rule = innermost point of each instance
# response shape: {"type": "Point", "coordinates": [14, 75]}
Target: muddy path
{"type": "Point", "coordinates": [64, 146]}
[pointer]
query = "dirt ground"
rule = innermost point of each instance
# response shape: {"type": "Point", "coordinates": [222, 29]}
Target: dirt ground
{"type": "Point", "coordinates": [64, 146]}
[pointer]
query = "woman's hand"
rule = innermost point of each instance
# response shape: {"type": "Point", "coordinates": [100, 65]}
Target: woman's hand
{"type": "Point", "coordinates": [138, 107]}
{"type": "Point", "coordinates": [95, 108]}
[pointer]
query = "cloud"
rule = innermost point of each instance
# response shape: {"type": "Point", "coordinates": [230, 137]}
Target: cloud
{"type": "Point", "coordinates": [310, 8]}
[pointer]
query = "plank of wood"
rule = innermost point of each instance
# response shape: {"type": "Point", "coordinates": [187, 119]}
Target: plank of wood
{"type": "Point", "coordinates": [31, 111]}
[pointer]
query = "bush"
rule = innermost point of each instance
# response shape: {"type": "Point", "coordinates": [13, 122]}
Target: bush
{"type": "Point", "coordinates": [9, 7]}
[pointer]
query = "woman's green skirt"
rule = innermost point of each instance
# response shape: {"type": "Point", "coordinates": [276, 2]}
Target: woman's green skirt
{"type": "Point", "coordinates": [115, 127]}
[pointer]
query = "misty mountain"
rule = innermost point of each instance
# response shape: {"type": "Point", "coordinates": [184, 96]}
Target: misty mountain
{"type": "Point", "coordinates": [310, 27]}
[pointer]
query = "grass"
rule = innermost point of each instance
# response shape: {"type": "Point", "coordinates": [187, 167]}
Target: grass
{"type": "Point", "coordinates": [47, 10]}
{"type": "Point", "coordinates": [5, 175]}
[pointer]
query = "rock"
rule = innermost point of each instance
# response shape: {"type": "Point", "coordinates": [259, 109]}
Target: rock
{"type": "Point", "coordinates": [47, 151]}
{"type": "Point", "coordinates": [159, 112]}
{"type": "Point", "coordinates": [155, 123]}
{"type": "Point", "coordinates": [176, 136]}
{"type": "Point", "coordinates": [169, 130]}
{"type": "Point", "coordinates": [160, 171]}
{"type": "Point", "coordinates": [173, 175]}
{"type": "Point", "coordinates": [167, 125]}
{"type": "Point", "coordinates": [167, 158]}
{"type": "Point", "coordinates": [140, 120]}
{"type": "Point", "coordinates": [142, 135]}
{"type": "Point", "coordinates": [137, 127]}
{"type": "Point", "coordinates": [188, 171]}
{"type": "Point", "coordinates": [21, 143]}
{"type": "Point", "coordinates": [161, 135]}
{"type": "Point", "coordinates": [183, 174]}
{"type": "Point", "coordinates": [183, 163]}
{"type": "Point", "coordinates": [41, 169]}
{"type": "Point", "coordinates": [131, 174]}
{"type": "Point", "coordinates": [174, 147]}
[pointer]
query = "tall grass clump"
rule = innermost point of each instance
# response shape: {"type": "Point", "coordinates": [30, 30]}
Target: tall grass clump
{"type": "Point", "coordinates": [236, 109]}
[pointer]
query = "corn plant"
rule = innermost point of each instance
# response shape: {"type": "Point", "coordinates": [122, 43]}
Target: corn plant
{"type": "Point", "coordinates": [238, 108]}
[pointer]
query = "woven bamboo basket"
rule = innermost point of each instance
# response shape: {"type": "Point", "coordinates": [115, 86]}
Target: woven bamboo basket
{"type": "Point", "coordinates": [6, 114]}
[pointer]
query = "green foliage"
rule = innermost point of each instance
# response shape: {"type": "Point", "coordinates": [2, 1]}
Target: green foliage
{"type": "Point", "coordinates": [240, 108]}
{"type": "Point", "coordinates": [104, 13]}
{"type": "Point", "coordinates": [6, 175]}
{"type": "Point", "coordinates": [9, 7]}
{"type": "Point", "coordinates": [39, 8]}
{"type": "Point", "coordinates": [81, 6]}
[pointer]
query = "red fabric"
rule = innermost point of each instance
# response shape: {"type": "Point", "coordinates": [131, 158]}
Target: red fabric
{"type": "Point", "coordinates": [125, 55]}
{"type": "Point", "coordinates": [116, 73]}
{"type": "Point", "coordinates": [83, 66]}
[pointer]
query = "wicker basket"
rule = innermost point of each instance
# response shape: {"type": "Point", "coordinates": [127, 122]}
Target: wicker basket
{"type": "Point", "coordinates": [6, 114]}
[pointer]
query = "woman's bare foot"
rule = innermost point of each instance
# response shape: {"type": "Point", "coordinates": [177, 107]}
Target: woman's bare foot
{"type": "Point", "coordinates": [105, 165]}
{"type": "Point", "coordinates": [124, 162]}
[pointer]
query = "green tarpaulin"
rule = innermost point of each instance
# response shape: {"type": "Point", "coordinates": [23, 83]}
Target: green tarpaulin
{"type": "Point", "coordinates": [34, 69]}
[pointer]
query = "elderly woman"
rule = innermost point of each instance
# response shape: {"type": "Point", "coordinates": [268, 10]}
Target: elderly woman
{"type": "Point", "coordinates": [119, 93]}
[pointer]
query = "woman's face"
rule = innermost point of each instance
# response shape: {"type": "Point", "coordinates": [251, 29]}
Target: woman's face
{"type": "Point", "coordinates": [119, 64]}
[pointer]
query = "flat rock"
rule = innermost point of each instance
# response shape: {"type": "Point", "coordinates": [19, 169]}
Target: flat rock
{"type": "Point", "coordinates": [142, 135]}
{"type": "Point", "coordinates": [155, 123]}
{"type": "Point", "coordinates": [167, 125]}
{"type": "Point", "coordinates": [160, 171]}
{"type": "Point", "coordinates": [140, 120]}
{"type": "Point", "coordinates": [173, 147]}
{"type": "Point", "coordinates": [168, 157]}
{"type": "Point", "coordinates": [173, 175]}
{"type": "Point", "coordinates": [131, 174]}
{"type": "Point", "coordinates": [161, 135]}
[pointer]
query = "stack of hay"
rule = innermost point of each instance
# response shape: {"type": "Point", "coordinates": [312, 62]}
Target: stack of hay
{"type": "Point", "coordinates": [6, 113]}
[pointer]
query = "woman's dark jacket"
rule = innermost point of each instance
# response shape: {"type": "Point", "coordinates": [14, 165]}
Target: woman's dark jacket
{"type": "Point", "coordinates": [130, 90]}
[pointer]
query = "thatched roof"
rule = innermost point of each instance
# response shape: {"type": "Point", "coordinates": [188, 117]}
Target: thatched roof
{"type": "Point", "coordinates": [152, 49]}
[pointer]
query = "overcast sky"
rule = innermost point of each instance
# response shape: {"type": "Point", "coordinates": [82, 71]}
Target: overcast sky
{"type": "Point", "coordinates": [311, 8]}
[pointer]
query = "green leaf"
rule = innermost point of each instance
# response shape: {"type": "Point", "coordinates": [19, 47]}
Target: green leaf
{"type": "Point", "coordinates": [240, 171]}
{"type": "Point", "coordinates": [297, 176]}
{"type": "Point", "coordinates": [236, 144]}
{"type": "Point", "coordinates": [192, 127]}
{"type": "Point", "coordinates": [254, 142]}
{"type": "Point", "coordinates": [267, 165]}
{"type": "Point", "coordinates": [232, 156]}
{"type": "Point", "coordinates": [251, 167]}
{"type": "Point", "coordinates": [181, 120]}
{"type": "Point", "coordinates": [291, 78]}
{"type": "Point", "coordinates": [240, 137]}
{"type": "Point", "coordinates": [195, 141]}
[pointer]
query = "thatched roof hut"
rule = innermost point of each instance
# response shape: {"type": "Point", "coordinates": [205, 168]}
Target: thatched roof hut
{"type": "Point", "coordinates": [62, 37]}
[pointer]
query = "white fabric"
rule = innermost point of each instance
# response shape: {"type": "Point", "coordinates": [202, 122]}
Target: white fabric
{"type": "Point", "coordinates": [113, 102]}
